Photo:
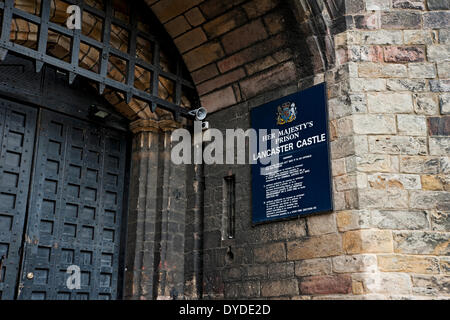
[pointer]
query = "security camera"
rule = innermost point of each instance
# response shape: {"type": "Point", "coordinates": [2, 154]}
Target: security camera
{"type": "Point", "coordinates": [199, 114]}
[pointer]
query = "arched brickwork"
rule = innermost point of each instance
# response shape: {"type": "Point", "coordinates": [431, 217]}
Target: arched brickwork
{"type": "Point", "coordinates": [238, 49]}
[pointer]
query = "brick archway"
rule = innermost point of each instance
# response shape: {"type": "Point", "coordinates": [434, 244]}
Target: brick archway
{"type": "Point", "coordinates": [237, 49]}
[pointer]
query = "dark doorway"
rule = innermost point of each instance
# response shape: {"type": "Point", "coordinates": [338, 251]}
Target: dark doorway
{"type": "Point", "coordinates": [62, 186]}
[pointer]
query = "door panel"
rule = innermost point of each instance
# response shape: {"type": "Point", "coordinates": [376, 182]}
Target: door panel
{"type": "Point", "coordinates": [75, 210]}
{"type": "Point", "coordinates": [17, 131]}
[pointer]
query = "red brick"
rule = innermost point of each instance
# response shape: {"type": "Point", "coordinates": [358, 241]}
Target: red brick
{"type": "Point", "coordinates": [219, 99]}
{"type": "Point", "coordinates": [404, 54]}
{"type": "Point", "coordinates": [271, 79]}
{"type": "Point", "coordinates": [220, 81]}
{"type": "Point", "coordinates": [205, 73]}
{"type": "Point", "coordinates": [338, 284]}
{"type": "Point", "coordinates": [244, 36]}
{"type": "Point", "coordinates": [255, 52]}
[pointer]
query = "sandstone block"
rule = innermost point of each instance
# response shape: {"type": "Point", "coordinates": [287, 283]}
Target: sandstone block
{"type": "Point", "coordinates": [421, 243]}
{"type": "Point", "coordinates": [403, 145]}
{"type": "Point", "coordinates": [411, 125]}
{"type": "Point", "coordinates": [312, 267]}
{"type": "Point", "coordinates": [329, 284]}
{"type": "Point", "coordinates": [367, 241]}
{"type": "Point", "coordinates": [390, 102]}
{"type": "Point", "coordinates": [321, 224]}
{"type": "Point", "coordinates": [354, 263]}
{"type": "Point", "coordinates": [315, 247]}
{"type": "Point", "coordinates": [374, 124]}
{"type": "Point", "coordinates": [410, 264]}
{"type": "Point", "coordinates": [426, 104]}
{"type": "Point", "coordinates": [279, 288]}
{"type": "Point", "coordinates": [275, 252]}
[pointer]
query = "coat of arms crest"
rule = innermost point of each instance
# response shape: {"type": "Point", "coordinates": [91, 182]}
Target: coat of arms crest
{"type": "Point", "coordinates": [287, 113]}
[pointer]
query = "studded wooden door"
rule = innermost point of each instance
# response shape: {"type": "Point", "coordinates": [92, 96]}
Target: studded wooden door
{"type": "Point", "coordinates": [17, 131]}
{"type": "Point", "coordinates": [75, 205]}
{"type": "Point", "coordinates": [75, 212]}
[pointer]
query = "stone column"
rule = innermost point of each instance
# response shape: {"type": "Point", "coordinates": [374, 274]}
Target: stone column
{"type": "Point", "coordinates": [155, 242]}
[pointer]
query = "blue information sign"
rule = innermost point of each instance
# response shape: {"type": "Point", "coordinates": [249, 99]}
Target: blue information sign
{"type": "Point", "coordinates": [291, 176]}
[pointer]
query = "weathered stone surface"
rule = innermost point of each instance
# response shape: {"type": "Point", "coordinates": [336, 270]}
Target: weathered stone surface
{"type": "Point", "coordinates": [418, 37]}
{"type": "Point", "coordinates": [426, 104]}
{"type": "Point", "coordinates": [411, 264]}
{"type": "Point", "coordinates": [376, 70]}
{"type": "Point", "coordinates": [438, 52]}
{"type": "Point", "coordinates": [439, 146]}
{"type": "Point", "coordinates": [445, 265]}
{"type": "Point", "coordinates": [390, 103]}
{"type": "Point", "coordinates": [401, 20]}
{"type": "Point", "coordinates": [419, 165]}
{"type": "Point", "coordinates": [353, 220]}
{"type": "Point", "coordinates": [315, 247]}
{"type": "Point", "coordinates": [385, 37]}
{"type": "Point", "coordinates": [374, 124]}
{"type": "Point", "coordinates": [440, 85]}
{"type": "Point", "coordinates": [422, 70]}
{"type": "Point", "coordinates": [429, 200]}
{"type": "Point", "coordinates": [445, 103]}
{"type": "Point", "coordinates": [366, 84]}
{"type": "Point", "coordinates": [330, 284]}
{"type": "Point", "coordinates": [404, 54]}
{"type": "Point", "coordinates": [444, 69]}
{"type": "Point", "coordinates": [354, 263]}
{"type": "Point", "coordinates": [312, 267]}
{"type": "Point", "coordinates": [279, 288]}
{"type": "Point", "coordinates": [275, 252]}
{"type": "Point", "coordinates": [412, 125]}
{"type": "Point", "coordinates": [247, 289]}
{"type": "Point", "coordinates": [440, 221]}
{"type": "Point", "coordinates": [408, 4]}
{"type": "Point", "coordinates": [391, 283]}
{"type": "Point", "coordinates": [431, 285]}
{"type": "Point", "coordinates": [375, 163]}
{"type": "Point", "coordinates": [398, 145]}
{"type": "Point", "coordinates": [281, 270]}
{"type": "Point", "coordinates": [406, 85]}
{"type": "Point", "coordinates": [377, 5]}
{"type": "Point", "coordinates": [394, 181]}
{"type": "Point", "coordinates": [421, 242]}
{"type": "Point", "coordinates": [367, 241]}
{"type": "Point", "coordinates": [436, 20]}
{"type": "Point", "coordinates": [400, 220]}
{"type": "Point", "coordinates": [432, 183]}
{"type": "Point", "coordinates": [256, 271]}
{"type": "Point", "coordinates": [438, 5]}
{"type": "Point", "coordinates": [321, 224]}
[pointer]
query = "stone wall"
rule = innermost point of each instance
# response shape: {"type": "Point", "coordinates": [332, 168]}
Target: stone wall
{"type": "Point", "coordinates": [389, 234]}
{"type": "Point", "coordinates": [386, 65]}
